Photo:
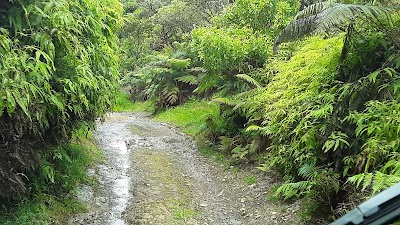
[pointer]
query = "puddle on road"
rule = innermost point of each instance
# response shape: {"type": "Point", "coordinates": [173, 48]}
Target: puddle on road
{"type": "Point", "coordinates": [107, 202]}
{"type": "Point", "coordinates": [170, 182]}
{"type": "Point", "coordinates": [120, 185]}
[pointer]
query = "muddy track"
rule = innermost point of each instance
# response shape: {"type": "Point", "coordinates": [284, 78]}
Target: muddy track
{"type": "Point", "coordinates": [153, 174]}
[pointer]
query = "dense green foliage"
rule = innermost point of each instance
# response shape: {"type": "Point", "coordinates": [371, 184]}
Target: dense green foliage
{"type": "Point", "coordinates": [321, 111]}
{"type": "Point", "coordinates": [50, 200]}
{"type": "Point", "coordinates": [225, 53]}
{"type": "Point", "coordinates": [167, 78]}
{"type": "Point", "coordinates": [58, 68]}
{"type": "Point", "coordinates": [124, 103]}
{"type": "Point", "coordinates": [257, 15]}
{"type": "Point", "coordinates": [156, 57]}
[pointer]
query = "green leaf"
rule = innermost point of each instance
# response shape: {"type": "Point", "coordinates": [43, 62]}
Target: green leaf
{"type": "Point", "coordinates": [22, 104]}
{"type": "Point", "coordinates": [188, 79]}
{"type": "Point", "coordinates": [10, 102]}
{"type": "Point", "coordinates": [372, 76]}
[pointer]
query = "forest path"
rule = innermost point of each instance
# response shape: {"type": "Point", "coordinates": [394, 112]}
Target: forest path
{"type": "Point", "coordinates": [153, 174]}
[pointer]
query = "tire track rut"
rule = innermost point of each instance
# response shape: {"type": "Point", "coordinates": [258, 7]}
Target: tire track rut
{"type": "Point", "coordinates": [153, 174]}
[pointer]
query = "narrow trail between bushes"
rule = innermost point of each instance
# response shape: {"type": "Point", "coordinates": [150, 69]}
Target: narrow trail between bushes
{"type": "Point", "coordinates": [153, 174]}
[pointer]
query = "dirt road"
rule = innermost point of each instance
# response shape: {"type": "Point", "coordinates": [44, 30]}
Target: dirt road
{"type": "Point", "coordinates": [153, 174]}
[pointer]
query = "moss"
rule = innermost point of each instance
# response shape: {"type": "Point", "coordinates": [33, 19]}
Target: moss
{"type": "Point", "coordinates": [175, 201]}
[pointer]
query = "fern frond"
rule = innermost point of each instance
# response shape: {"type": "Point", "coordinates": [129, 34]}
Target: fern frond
{"type": "Point", "coordinates": [179, 64]}
{"type": "Point", "coordinates": [170, 94]}
{"type": "Point", "coordinates": [289, 190]}
{"type": "Point", "coordinates": [356, 179]}
{"type": "Point", "coordinates": [308, 170]}
{"type": "Point", "coordinates": [188, 79]}
{"type": "Point", "coordinates": [224, 101]}
{"type": "Point", "coordinates": [249, 80]}
{"type": "Point", "coordinates": [324, 16]}
{"type": "Point", "coordinates": [314, 9]}
{"type": "Point", "coordinates": [377, 181]}
{"type": "Point", "coordinates": [383, 181]}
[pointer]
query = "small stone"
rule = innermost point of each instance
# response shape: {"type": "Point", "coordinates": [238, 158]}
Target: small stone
{"type": "Point", "coordinates": [234, 222]}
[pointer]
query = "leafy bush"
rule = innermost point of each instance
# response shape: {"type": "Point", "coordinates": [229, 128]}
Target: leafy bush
{"type": "Point", "coordinates": [226, 52]}
{"type": "Point", "coordinates": [322, 111]}
{"type": "Point", "coordinates": [168, 78]}
{"type": "Point", "coordinates": [372, 115]}
{"type": "Point", "coordinates": [58, 66]}
{"type": "Point", "coordinates": [267, 16]}
{"type": "Point", "coordinates": [295, 102]}
{"type": "Point", "coordinates": [52, 183]}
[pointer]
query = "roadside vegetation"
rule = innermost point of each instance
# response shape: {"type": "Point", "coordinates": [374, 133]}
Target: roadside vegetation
{"type": "Point", "coordinates": [306, 89]}
{"type": "Point", "coordinates": [190, 116]}
{"type": "Point", "coordinates": [59, 73]}
{"type": "Point", "coordinates": [51, 199]}
{"type": "Point", "coordinates": [124, 103]}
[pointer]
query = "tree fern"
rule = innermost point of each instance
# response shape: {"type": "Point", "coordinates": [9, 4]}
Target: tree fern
{"type": "Point", "coordinates": [324, 16]}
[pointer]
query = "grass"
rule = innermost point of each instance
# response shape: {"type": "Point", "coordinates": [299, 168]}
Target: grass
{"type": "Point", "coordinates": [42, 209]}
{"type": "Point", "coordinates": [123, 103]}
{"type": "Point", "coordinates": [250, 180]}
{"type": "Point", "coordinates": [184, 213]}
{"type": "Point", "coordinates": [190, 116]}
{"type": "Point", "coordinates": [51, 199]}
{"type": "Point", "coordinates": [215, 154]}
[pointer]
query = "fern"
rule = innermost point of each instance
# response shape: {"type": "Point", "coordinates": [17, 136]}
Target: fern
{"type": "Point", "coordinates": [324, 16]}
{"type": "Point", "coordinates": [294, 190]}
{"type": "Point", "coordinates": [249, 79]}
{"type": "Point", "coordinates": [308, 171]}
{"type": "Point", "coordinates": [188, 79]}
{"type": "Point", "coordinates": [377, 181]}
{"type": "Point", "coordinates": [170, 94]}
{"type": "Point", "coordinates": [224, 101]}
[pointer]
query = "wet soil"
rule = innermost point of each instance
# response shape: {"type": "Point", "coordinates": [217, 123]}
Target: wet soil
{"type": "Point", "coordinates": [153, 174]}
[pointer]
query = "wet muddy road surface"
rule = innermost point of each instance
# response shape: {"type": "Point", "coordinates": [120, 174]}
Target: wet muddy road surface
{"type": "Point", "coordinates": [153, 174]}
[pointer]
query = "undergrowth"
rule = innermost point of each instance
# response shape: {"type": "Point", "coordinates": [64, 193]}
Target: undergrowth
{"type": "Point", "coordinates": [51, 199]}
{"type": "Point", "coordinates": [190, 116]}
{"type": "Point", "coordinates": [193, 117]}
{"type": "Point", "coordinates": [321, 112]}
{"type": "Point", "coordinates": [124, 103]}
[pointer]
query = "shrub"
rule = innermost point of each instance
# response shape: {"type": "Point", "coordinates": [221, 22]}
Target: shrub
{"type": "Point", "coordinates": [226, 52]}
{"type": "Point", "coordinates": [58, 66]}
